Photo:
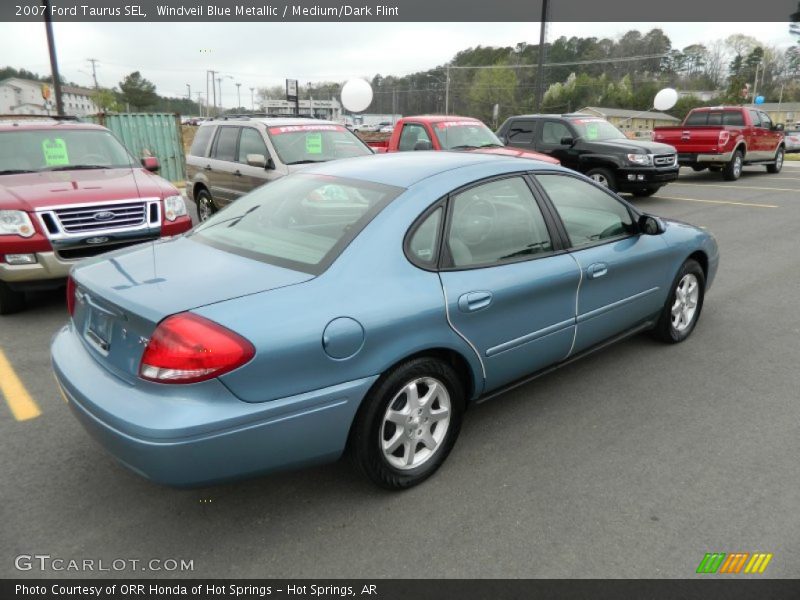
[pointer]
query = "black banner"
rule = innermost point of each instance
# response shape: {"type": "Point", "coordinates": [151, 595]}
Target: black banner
{"type": "Point", "coordinates": [401, 10]}
{"type": "Point", "coordinates": [734, 588]}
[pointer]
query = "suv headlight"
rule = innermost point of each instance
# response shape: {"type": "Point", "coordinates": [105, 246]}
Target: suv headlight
{"type": "Point", "coordinates": [174, 207]}
{"type": "Point", "coordinates": [15, 222]}
{"type": "Point", "coordinates": [640, 159]}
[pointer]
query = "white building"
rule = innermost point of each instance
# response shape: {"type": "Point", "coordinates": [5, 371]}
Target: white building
{"type": "Point", "coordinates": [24, 97]}
{"type": "Point", "coordinates": [320, 109]}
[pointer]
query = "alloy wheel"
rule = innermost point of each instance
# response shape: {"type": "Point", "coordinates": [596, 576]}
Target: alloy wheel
{"type": "Point", "coordinates": [684, 308]}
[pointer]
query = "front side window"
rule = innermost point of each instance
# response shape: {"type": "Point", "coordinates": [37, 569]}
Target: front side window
{"type": "Point", "coordinates": [411, 134]}
{"type": "Point", "coordinates": [251, 143]}
{"type": "Point", "coordinates": [496, 223]}
{"type": "Point", "coordinates": [303, 144]}
{"type": "Point", "coordinates": [300, 222]}
{"type": "Point", "coordinates": [61, 150]}
{"type": "Point", "coordinates": [553, 132]}
{"type": "Point", "coordinates": [589, 214]}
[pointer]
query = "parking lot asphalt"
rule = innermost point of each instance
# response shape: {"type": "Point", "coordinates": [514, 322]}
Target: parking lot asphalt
{"type": "Point", "coordinates": [633, 462]}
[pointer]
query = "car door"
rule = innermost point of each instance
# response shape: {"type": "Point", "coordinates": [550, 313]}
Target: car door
{"type": "Point", "coordinates": [510, 290]}
{"type": "Point", "coordinates": [222, 163]}
{"type": "Point", "coordinates": [757, 142]}
{"type": "Point", "coordinates": [772, 137]}
{"type": "Point", "coordinates": [623, 273]}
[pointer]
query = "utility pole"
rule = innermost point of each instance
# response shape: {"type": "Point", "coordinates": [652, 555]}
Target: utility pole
{"type": "Point", "coordinates": [213, 88]}
{"type": "Point", "coordinates": [51, 45]}
{"type": "Point", "coordinates": [755, 84]}
{"type": "Point", "coordinates": [540, 67]}
{"type": "Point", "coordinates": [238, 97]}
{"type": "Point", "coordinates": [200, 104]}
{"type": "Point", "coordinates": [447, 92]}
{"type": "Point", "coordinates": [94, 72]}
{"type": "Point", "coordinates": [189, 92]}
{"type": "Point", "coordinates": [252, 100]}
{"type": "Point", "coordinates": [219, 83]}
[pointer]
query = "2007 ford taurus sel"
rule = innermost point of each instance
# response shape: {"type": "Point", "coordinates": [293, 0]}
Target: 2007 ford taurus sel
{"type": "Point", "coordinates": [362, 305]}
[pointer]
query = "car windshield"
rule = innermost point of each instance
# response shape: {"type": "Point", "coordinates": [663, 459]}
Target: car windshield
{"type": "Point", "coordinates": [301, 222]}
{"type": "Point", "coordinates": [54, 149]}
{"type": "Point", "coordinates": [593, 129]}
{"type": "Point", "coordinates": [300, 144]}
{"type": "Point", "coordinates": [463, 135]}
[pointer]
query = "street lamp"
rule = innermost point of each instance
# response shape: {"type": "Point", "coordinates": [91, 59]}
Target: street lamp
{"type": "Point", "coordinates": [252, 101]}
{"type": "Point", "coordinates": [238, 96]}
{"type": "Point", "coordinates": [219, 83]}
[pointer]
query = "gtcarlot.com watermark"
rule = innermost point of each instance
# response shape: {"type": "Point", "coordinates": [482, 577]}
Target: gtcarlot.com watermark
{"type": "Point", "coordinates": [48, 563]}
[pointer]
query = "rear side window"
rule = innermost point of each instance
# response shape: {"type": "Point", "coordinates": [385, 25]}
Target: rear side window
{"type": "Point", "coordinates": [765, 120]}
{"type": "Point", "coordinates": [732, 117]}
{"type": "Point", "coordinates": [520, 132]}
{"type": "Point", "coordinates": [225, 144]}
{"type": "Point", "coordinates": [424, 241]}
{"type": "Point", "coordinates": [200, 143]}
{"type": "Point", "coordinates": [755, 118]}
{"type": "Point", "coordinates": [697, 118]}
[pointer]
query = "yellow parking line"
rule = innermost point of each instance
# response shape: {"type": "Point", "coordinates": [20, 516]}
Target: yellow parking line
{"type": "Point", "coordinates": [717, 202]}
{"type": "Point", "coordinates": [737, 187]}
{"type": "Point", "coordinates": [17, 397]}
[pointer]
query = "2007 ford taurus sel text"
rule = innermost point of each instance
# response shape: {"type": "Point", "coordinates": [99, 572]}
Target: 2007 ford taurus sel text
{"type": "Point", "coordinates": [362, 304]}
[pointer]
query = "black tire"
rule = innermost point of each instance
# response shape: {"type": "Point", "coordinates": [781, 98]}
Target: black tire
{"type": "Point", "coordinates": [370, 429]}
{"type": "Point", "coordinates": [205, 205]}
{"type": "Point", "coordinates": [644, 193]}
{"type": "Point", "coordinates": [665, 330]}
{"type": "Point", "coordinates": [778, 164]}
{"type": "Point", "coordinates": [733, 169]}
{"type": "Point", "coordinates": [11, 301]}
{"type": "Point", "coordinates": [715, 169]}
{"type": "Point", "coordinates": [604, 177]}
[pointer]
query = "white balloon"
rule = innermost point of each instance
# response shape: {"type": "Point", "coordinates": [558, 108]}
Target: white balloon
{"type": "Point", "coordinates": [665, 99]}
{"type": "Point", "coordinates": [356, 95]}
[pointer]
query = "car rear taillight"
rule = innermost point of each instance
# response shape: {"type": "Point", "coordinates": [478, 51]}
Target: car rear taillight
{"type": "Point", "coordinates": [724, 136]}
{"type": "Point", "coordinates": [187, 348]}
{"type": "Point", "coordinates": [71, 296]}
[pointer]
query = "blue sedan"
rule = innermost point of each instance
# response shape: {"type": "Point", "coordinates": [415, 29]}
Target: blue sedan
{"type": "Point", "coordinates": [362, 305]}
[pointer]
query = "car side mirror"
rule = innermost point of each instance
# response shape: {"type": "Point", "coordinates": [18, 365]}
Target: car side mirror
{"type": "Point", "coordinates": [150, 163]}
{"type": "Point", "coordinates": [270, 166]}
{"type": "Point", "coordinates": [423, 145]}
{"type": "Point", "coordinates": [650, 225]}
{"type": "Point", "coordinates": [778, 127]}
{"type": "Point", "coordinates": [256, 160]}
{"type": "Point", "coordinates": [567, 141]}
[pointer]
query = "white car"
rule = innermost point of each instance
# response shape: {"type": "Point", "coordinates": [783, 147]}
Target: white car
{"type": "Point", "coordinates": [792, 140]}
{"type": "Point", "coordinates": [387, 129]}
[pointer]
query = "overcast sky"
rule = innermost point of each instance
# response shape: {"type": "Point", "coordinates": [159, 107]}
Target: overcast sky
{"type": "Point", "coordinates": [263, 54]}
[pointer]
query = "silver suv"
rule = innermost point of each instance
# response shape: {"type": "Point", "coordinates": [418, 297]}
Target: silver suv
{"type": "Point", "coordinates": [231, 156]}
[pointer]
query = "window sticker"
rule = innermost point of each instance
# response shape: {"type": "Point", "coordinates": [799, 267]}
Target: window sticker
{"type": "Point", "coordinates": [592, 132]}
{"type": "Point", "coordinates": [446, 124]}
{"type": "Point", "coordinates": [302, 128]}
{"type": "Point", "coordinates": [314, 143]}
{"type": "Point", "coordinates": [55, 152]}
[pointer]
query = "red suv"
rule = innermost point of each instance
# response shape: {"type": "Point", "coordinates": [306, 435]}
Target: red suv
{"type": "Point", "coordinates": [69, 191]}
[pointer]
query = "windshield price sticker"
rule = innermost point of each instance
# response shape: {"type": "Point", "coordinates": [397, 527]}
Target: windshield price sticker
{"type": "Point", "coordinates": [446, 124]}
{"type": "Point", "coordinates": [55, 152]}
{"type": "Point", "coordinates": [303, 128]}
{"type": "Point", "coordinates": [314, 143]}
{"type": "Point", "coordinates": [582, 121]}
{"type": "Point", "coordinates": [592, 131]}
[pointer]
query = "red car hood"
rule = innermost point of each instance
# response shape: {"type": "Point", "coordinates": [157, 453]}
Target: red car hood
{"type": "Point", "coordinates": [506, 151]}
{"type": "Point", "coordinates": [29, 191]}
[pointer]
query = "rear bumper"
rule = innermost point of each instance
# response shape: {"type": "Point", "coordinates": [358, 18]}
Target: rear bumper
{"type": "Point", "coordinates": [186, 435]}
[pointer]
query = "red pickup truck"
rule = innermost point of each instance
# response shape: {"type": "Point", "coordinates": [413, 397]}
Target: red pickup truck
{"type": "Point", "coordinates": [70, 191]}
{"type": "Point", "coordinates": [441, 132]}
{"type": "Point", "coordinates": [725, 138]}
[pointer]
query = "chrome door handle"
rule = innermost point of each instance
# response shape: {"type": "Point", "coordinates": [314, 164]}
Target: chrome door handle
{"type": "Point", "coordinates": [472, 301]}
{"type": "Point", "coordinates": [596, 270]}
{"type": "Point", "coordinates": [207, 168]}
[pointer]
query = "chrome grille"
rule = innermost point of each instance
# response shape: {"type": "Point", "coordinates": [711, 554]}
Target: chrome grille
{"type": "Point", "coordinates": [76, 220]}
{"type": "Point", "coordinates": [664, 160]}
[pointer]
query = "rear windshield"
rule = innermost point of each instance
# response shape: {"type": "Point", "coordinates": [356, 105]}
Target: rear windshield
{"type": "Point", "coordinates": [301, 222]}
{"type": "Point", "coordinates": [715, 117]}
{"type": "Point", "coordinates": [464, 135]}
{"type": "Point", "coordinates": [301, 144]}
{"type": "Point", "coordinates": [57, 149]}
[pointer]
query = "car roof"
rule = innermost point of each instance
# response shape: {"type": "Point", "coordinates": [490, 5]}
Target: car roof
{"type": "Point", "coordinates": [38, 124]}
{"type": "Point", "coordinates": [440, 118]}
{"type": "Point", "coordinates": [404, 169]}
{"type": "Point", "coordinates": [268, 121]}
